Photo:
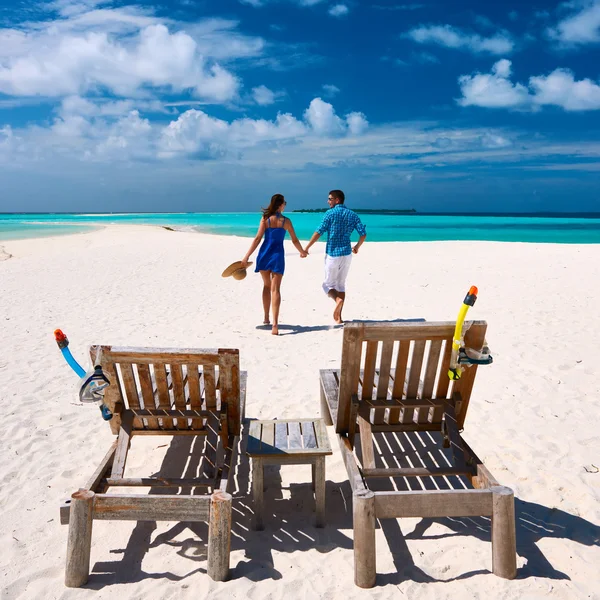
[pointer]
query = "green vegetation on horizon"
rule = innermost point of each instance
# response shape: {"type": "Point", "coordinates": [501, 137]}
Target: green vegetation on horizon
{"type": "Point", "coordinates": [372, 211]}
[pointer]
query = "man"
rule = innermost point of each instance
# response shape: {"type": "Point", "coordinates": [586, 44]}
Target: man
{"type": "Point", "coordinates": [339, 222]}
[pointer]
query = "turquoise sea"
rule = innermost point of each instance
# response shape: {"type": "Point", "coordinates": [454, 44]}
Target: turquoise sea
{"type": "Point", "coordinates": [380, 227]}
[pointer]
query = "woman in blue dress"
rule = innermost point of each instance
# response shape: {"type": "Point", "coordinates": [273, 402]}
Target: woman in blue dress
{"type": "Point", "coordinates": [271, 257]}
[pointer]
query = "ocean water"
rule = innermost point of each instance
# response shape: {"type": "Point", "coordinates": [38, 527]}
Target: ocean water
{"type": "Point", "coordinates": [380, 227]}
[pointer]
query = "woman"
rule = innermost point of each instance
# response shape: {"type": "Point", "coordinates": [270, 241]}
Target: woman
{"type": "Point", "coordinates": [271, 258]}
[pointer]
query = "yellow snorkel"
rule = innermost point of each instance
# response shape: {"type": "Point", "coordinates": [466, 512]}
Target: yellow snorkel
{"type": "Point", "coordinates": [459, 354]}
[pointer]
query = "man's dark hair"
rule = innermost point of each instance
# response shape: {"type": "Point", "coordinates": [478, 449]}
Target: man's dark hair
{"type": "Point", "coordinates": [338, 194]}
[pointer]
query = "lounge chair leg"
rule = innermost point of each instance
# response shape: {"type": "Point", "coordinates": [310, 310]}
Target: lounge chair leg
{"type": "Point", "coordinates": [258, 492]}
{"type": "Point", "coordinates": [364, 538]}
{"type": "Point", "coordinates": [325, 408]}
{"type": "Point", "coordinates": [79, 543]}
{"type": "Point", "coordinates": [219, 535]}
{"type": "Point", "coordinates": [319, 483]}
{"type": "Point", "coordinates": [504, 544]}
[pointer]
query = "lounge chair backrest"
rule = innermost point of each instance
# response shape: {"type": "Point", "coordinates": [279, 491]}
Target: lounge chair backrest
{"type": "Point", "coordinates": [172, 390]}
{"type": "Point", "coordinates": [399, 371]}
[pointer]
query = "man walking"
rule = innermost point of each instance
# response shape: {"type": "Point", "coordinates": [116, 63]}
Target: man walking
{"type": "Point", "coordinates": [339, 222]}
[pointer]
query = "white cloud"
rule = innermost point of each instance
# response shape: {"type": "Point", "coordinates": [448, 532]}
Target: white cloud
{"type": "Point", "coordinates": [108, 131]}
{"type": "Point", "coordinates": [78, 64]}
{"type": "Point", "coordinates": [125, 51]}
{"type": "Point", "coordinates": [451, 37]}
{"type": "Point", "coordinates": [330, 90]}
{"type": "Point", "coordinates": [357, 123]}
{"type": "Point", "coordinates": [559, 88]}
{"type": "Point", "coordinates": [582, 27]}
{"type": "Point", "coordinates": [493, 90]}
{"type": "Point", "coordinates": [263, 95]}
{"type": "Point", "coordinates": [321, 117]}
{"type": "Point", "coordinates": [339, 10]}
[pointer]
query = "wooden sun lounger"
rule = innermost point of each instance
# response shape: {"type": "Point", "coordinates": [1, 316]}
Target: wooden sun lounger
{"type": "Point", "coordinates": [175, 392]}
{"type": "Point", "coordinates": [393, 382]}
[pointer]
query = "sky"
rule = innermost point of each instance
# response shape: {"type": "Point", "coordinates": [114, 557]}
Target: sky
{"type": "Point", "coordinates": [215, 105]}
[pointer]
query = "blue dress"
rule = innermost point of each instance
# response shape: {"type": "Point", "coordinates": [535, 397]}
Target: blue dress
{"type": "Point", "coordinates": [271, 256]}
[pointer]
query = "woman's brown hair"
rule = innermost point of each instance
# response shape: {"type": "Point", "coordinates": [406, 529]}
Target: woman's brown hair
{"type": "Point", "coordinates": [277, 200]}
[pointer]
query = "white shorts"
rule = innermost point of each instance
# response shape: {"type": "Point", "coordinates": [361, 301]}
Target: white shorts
{"type": "Point", "coordinates": [336, 271]}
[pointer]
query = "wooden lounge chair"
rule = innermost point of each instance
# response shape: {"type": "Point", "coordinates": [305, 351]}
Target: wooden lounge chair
{"type": "Point", "coordinates": [174, 392]}
{"type": "Point", "coordinates": [393, 382]}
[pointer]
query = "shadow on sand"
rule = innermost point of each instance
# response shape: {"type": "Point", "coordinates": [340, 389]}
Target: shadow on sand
{"type": "Point", "coordinates": [289, 527]}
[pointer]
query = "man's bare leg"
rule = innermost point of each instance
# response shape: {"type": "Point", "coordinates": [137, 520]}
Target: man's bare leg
{"type": "Point", "coordinates": [339, 305]}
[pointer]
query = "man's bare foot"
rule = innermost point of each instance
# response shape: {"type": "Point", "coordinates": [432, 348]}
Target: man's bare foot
{"type": "Point", "coordinates": [337, 313]}
{"type": "Point", "coordinates": [275, 330]}
{"type": "Point", "coordinates": [266, 322]}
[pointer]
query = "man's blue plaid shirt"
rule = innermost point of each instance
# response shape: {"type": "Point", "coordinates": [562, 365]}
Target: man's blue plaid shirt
{"type": "Point", "coordinates": [339, 222]}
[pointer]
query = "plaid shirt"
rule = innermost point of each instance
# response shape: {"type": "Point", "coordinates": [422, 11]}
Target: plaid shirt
{"type": "Point", "coordinates": [339, 222]}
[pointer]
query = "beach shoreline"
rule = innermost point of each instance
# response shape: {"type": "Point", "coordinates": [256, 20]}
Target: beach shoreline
{"type": "Point", "coordinates": [532, 419]}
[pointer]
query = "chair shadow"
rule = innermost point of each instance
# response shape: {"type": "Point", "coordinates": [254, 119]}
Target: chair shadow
{"type": "Point", "coordinates": [534, 522]}
{"type": "Point", "coordinates": [289, 523]}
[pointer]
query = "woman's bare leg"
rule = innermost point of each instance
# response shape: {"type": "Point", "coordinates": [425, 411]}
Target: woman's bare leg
{"type": "Point", "coordinates": [266, 294]}
{"type": "Point", "coordinates": [275, 300]}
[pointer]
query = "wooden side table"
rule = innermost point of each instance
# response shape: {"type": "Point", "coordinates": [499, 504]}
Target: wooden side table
{"type": "Point", "coordinates": [288, 442]}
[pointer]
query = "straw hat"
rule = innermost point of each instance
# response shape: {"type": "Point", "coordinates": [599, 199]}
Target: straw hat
{"type": "Point", "coordinates": [235, 270]}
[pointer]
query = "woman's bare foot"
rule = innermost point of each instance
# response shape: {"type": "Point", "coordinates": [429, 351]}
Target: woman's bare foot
{"type": "Point", "coordinates": [275, 330]}
{"type": "Point", "coordinates": [266, 322]}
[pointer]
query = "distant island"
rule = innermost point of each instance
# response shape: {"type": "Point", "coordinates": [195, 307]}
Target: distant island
{"type": "Point", "coordinates": [365, 211]}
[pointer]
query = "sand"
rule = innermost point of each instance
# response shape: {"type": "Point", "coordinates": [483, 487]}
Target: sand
{"type": "Point", "coordinates": [533, 417]}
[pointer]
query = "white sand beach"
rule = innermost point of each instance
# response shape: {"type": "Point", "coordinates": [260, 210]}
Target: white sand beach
{"type": "Point", "coordinates": [533, 417]}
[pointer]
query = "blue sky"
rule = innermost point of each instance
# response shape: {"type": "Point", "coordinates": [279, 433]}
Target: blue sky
{"type": "Point", "coordinates": [198, 105]}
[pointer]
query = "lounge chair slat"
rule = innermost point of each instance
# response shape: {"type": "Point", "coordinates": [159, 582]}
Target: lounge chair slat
{"type": "Point", "coordinates": [444, 382]}
{"type": "Point", "coordinates": [399, 378]}
{"type": "Point", "coordinates": [384, 369]}
{"type": "Point", "coordinates": [369, 370]}
{"type": "Point", "coordinates": [433, 363]}
{"type": "Point", "coordinates": [416, 364]}
{"type": "Point", "coordinates": [146, 387]}
{"type": "Point", "coordinates": [193, 377]}
{"type": "Point", "coordinates": [178, 394]}
{"type": "Point", "coordinates": [162, 388]}
{"type": "Point", "coordinates": [210, 389]}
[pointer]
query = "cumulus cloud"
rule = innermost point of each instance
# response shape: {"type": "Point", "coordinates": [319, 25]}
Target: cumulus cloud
{"type": "Point", "coordinates": [323, 120]}
{"type": "Point", "coordinates": [581, 26]}
{"type": "Point", "coordinates": [452, 37]}
{"type": "Point", "coordinates": [126, 51]}
{"type": "Point", "coordinates": [559, 88]}
{"type": "Point", "coordinates": [79, 64]}
{"type": "Point", "coordinates": [493, 90]}
{"type": "Point", "coordinates": [339, 10]}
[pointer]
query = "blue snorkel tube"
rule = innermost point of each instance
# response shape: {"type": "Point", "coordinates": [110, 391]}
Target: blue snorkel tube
{"type": "Point", "coordinates": [92, 388]}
